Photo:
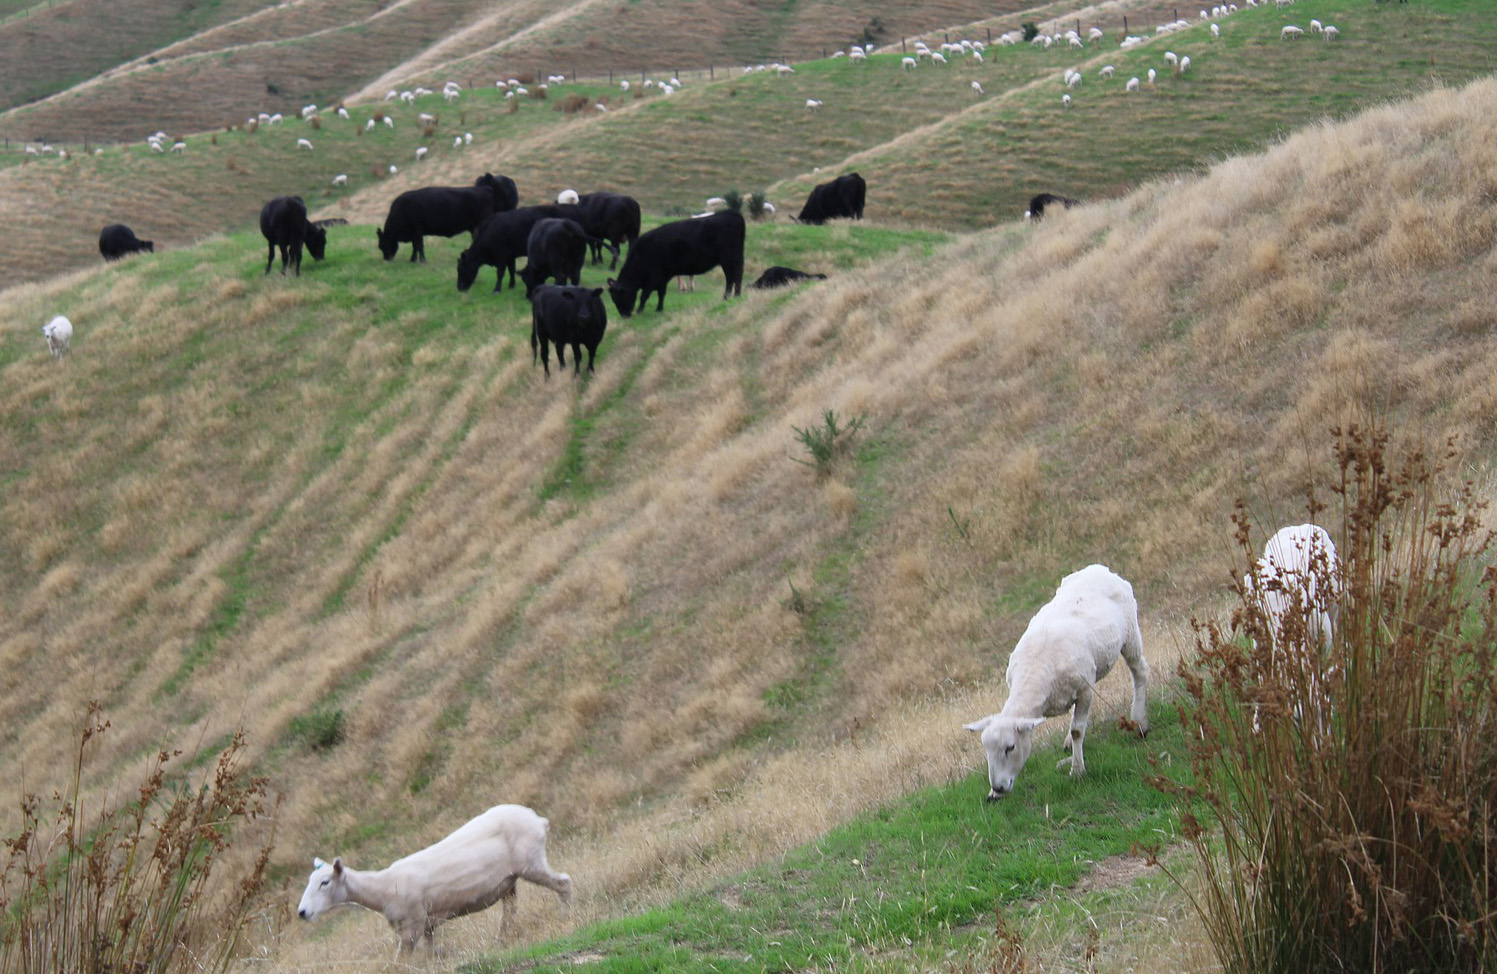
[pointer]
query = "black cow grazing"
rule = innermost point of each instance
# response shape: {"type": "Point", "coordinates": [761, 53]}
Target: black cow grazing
{"type": "Point", "coordinates": [686, 247]}
{"type": "Point", "coordinates": [564, 316]}
{"type": "Point", "coordinates": [557, 248]}
{"type": "Point", "coordinates": [610, 216]}
{"type": "Point", "coordinates": [501, 240]}
{"type": "Point", "coordinates": [1037, 204]}
{"type": "Point", "coordinates": [443, 211]}
{"type": "Point", "coordinates": [117, 240]}
{"type": "Point", "coordinates": [781, 276]}
{"type": "Point", "coordinates": [284, 223]}
{"type": "Point", "coordinates": [842, 197]}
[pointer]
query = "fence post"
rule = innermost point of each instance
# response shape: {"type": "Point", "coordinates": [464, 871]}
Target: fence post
{"type": "Point", "coordinates": [610, 76]}
{"type": "Point", "coordinates": [990, 35]}
{"type": "Point", "coordinates": [1125, 26]}
{"type": "Point", "coordinates": [901, 46]}
{"type": "Point", "coordinates": [710, 76]}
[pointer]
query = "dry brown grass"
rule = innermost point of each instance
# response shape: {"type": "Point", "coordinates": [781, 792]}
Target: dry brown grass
{"type": "Point", "coordinates": [612, 658]}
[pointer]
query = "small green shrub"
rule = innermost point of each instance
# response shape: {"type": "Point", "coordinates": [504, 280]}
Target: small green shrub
{"type": "Point", "coordinates": [826, 442]}
{"type": "Point", "coordinates": [734, 200]}
{"type": "Point", "coordinates": [756, 203]}
{"type": "Point", "coordinates": [321, 730]}
{"type": "Point", "coordinates": [1031, 30]}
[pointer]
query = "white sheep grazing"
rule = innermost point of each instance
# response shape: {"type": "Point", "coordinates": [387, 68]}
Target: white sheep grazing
{"type": "Point", "coordinates": [1069, 646]}
{"type": "Point", "coordinates": [426, 118]}
{"type": "Point", "coordinates": [1185, 64]}
{"type": "Point", "coordinates": [421, 151]}
{"type": "Point", "coordinates": [909, 63]}
{"type": "Point", "coordinates": [716, 203]}
{"type": "Point", "coordinates": [179, 146]}
{"type": "Point", "coordinates": [938, 58]}
{"type": "Point", "coordinates": [389, 122]}
{"type": "Point", "coordinates": [1172, 58]}
{"type": "Point", "coordinates": [1216, 30]}
{"type": "Point", "coordinates": [1315, 26]}
{"type": "Point", "coordinates": [470, 870]}
{"type": "Point", "coordinates": [1152, 75]}
{"type": "Point", "coordinates": [59, 332]}
{"type": "Point", "coordinates": [1290, 32]}
{"type": "Point", "coordinates": [457, 141]}
{"type": "Point", "coordinates": [304, 144]}
{"type": "Point", "coordinates": [812, 104]}
{"type": "Point", "coordinates": [1065, 100]}
{"type": "Point", "coordinates": [275, 119]}
{"type": "Point", "coordinates": [341, 179]}
{"type": "Point", "coordinates": [1074, 79]}
{"type": "Point", "coordinates": [1095, 34]}
{"type": "Point", "coordinates": [977, 88]}
{"type": "Point", "coordinates": [1330, 31]}
{"type": "Point", "coordinates": [1299, 570]}
{"type": "Point", "coordinates": [343, 113]}
{"type": "Point", "coordinates": [369, 125]}
{"type": "Point", "coordinates": [467, 138]}
{"type": "Point", "coordinates": [567, 196]}
{"type": "Point", "coordinates": [1107, 71]}
{"type": "Point", "coordinates": [1132, 85]}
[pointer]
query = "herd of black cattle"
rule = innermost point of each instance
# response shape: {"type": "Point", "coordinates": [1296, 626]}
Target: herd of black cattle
{"type": "Point", "coordinates": [555, 239]}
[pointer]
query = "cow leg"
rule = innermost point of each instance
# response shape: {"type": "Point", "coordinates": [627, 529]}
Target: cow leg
{"type": "Point", "coordinates": [418, 250]}
{"type": "Point", "coordinates": [577, 359]}
{"type": "Point", "coordinates": [296, 258]}
{"type": "Point", "coordinates": [269, 260]}
{"type": "Point", "coordinates": [659, 305]}
{"type": "Point", "coordinates": [561, 355]}
{"type": "Point", "coordinates": [546, 355]}
{"type": "Point", "coordinates": [592, 351]}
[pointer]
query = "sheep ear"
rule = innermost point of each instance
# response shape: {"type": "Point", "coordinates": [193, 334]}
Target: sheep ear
{"type": "Point", "coordinates": [317, 863]}
{"type": "Point", "coordinates": [978, 725]}
{"type": "Point", "coordinates": [1031, 723]}
{"type": "Point", "coordinates": [338, 866]}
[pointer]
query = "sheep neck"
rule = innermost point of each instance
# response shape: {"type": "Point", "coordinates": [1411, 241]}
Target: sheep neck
{"type": "Point", "coordinates": [366, 889]}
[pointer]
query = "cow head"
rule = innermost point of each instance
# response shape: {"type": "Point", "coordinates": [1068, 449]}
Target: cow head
{"type": "Point", "coordinates": [467, 269]}
{"type": "Point", "coordinates": [327, 887]}
{"type": "Point", "coordinates": [623, 297]}
{"type": "Point", "coordinates": [531, 277]}
{"type": "Point", "coordinates": [1007, 741]}
{"type": "Point", "coordinates": [387, 243]}
{"type": "Point", "coordinates": [316, 241]}
{"type": "Point", "coordinates": [148, 246]}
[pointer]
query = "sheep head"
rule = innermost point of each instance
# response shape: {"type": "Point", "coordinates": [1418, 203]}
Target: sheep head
{"type": "Point", "coordinates": [327, 887]}
{"type": "Point", "coordinates": [1007, 741]}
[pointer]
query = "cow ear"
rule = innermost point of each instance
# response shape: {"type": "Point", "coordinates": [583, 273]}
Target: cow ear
{"type": "Point", "coordinates": [597, 292]}
{"type": "Point", "coordinates": [612, 284]}
{"type": "Point", "coordinates": [338, 866]}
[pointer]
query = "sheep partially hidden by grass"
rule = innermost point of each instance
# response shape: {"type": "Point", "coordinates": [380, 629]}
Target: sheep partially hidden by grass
{"type": "Point", "coordinates": [1071, 643]}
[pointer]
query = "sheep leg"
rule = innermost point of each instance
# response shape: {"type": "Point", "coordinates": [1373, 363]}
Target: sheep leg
{"type": "Point", "coordinates": [558, 883]}
{"type": "Point", "coordinates": [509, 902]}
{"type": "Point", "coordinates": [1133, 654]}
{"type": "Point", "coordinates": [1080, 717]}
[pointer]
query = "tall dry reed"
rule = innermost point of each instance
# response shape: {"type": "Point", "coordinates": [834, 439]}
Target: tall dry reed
{"type": "Point", "coordinates": [130, 888]}
{"type": "Point", "coordinates": [1343, 802]}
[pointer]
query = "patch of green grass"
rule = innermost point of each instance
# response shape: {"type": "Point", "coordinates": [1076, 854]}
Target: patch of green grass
{"type": "Point", "coordinates": [911, 875]}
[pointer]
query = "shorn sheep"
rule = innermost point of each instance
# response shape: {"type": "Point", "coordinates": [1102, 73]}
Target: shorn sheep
{"type": "Point", "coordinates": [470, 870]}
{"type": "Point", "coordinates": [1071, 643]}
{"type": "Point", "coordinates": [1298, 575]}
{"type": "Point", "coordinates": [59, 334]}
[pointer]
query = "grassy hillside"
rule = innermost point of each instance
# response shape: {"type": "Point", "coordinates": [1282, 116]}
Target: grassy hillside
{"type": "Point", "coordinates": [189, 68]}
{"type": "Point", "coordinates": [753, 132]}
{"type": "Point", "coordinates": [346, 512]}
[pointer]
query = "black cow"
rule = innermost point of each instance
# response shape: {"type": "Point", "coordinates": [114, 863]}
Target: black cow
{"type": "Point", "coordinates": [501, 240]}
{"type": "Point", "coordinates": [781, 276]}
{"type": "Point", "coordinates": [1037, 204]}
{"type": "Point", "coordinates": [610, 216]}
{"type": "Point", "coordinates": [284, 223]}
{"type": "Point", "coordinates": [117, 240]}
{"type": "Point", "coordinates": [566, 316]}
{"type": "Point", "coordinates": [557, 248]}
{"type": "Point", "coordinates": [443, 211]}
{"type": "Point", "coordinates": [686, 247]}
{"type": "Point", "coordinates": [842, 197]}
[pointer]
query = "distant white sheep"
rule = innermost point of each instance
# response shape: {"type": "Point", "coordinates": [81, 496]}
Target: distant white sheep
{"type": "Point", "coordinates": [624, 85]}
{"type": "Point", "coordinates": [1069, 646]}
{"type": "Point", "coordinates": [909, 63]}
{"type": "Point", "coordinates": [467, 138]}
{"type": "Point", "coordinates": [59, 334]}
{"type": "Point", "coordinates": [1216, 30]}
{"type": "Point", "coordinates": [938, 58]}
{"type": "Point", "coordinates": [470, 870]}
{"type": "Point", "coordinates": [1185, 64]}
{"type": "Point", "coordinates": [1330, 32]}
{"type": "Point", "coordinates": [341, 179]}
{"type": "Point", "coordinates": [426, 118]}
{"type": "Point", "coordinates": [179, 146]}
{"type": "Point", "coordinates": [1107, 71]}
{"type": "Point", "coordinates": [389, 121]}
{"type": "Point", "coordinates": [457, 141]}
{"type": "Point", "coordinates": [977, 88]}
{"type": "Point", "coordinates": [1132, 85]}
{"type": "Point", "coordinates": [812, 104]}
{"type": "Point", "coordinates": [1065, 100]}
{"type": "Point", "coordinates": [1152, 75]}
{"type": "Point", "coordinates": [1095, 34]}
{"type": "Point", "coordinates": [1315, 26]}
{"type": "Point", "coordinates": [1172, 58]}
{"type": "Point", "coordinates": [342, 113]}
{"type": "Point", "coordinates": [567, 196]}
{"type": "Point", "coordinates": [421, 152]}
{"type": "Point", "coordinates": [1290, 32]}
{"type": "Point", "coordinates": [275, 119]}
{"type": "Point", "coordinates": [304, 144]}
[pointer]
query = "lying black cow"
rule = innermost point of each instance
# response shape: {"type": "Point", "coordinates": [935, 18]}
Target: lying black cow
{"type": "Point", "coordinates": [564, 316]}
{"type": "Point", "coordinates": [781, 276]}
{"type": "Point", "coordinates": [118, 240]}
{"type": "Point", "coordinates": [613, 217]}
{"type": "Point", "coordinates": [284, 223]}
{"type": "Point", "coordinates": [686, 247]}
{"type": "Point", "coordinates": [1037, 204]}
{"type": "Point", "coordinates": [842, 197]}
{"type": "Point", "coordinates": [557, 248]}
{"type": "Point", "coordinates": [443, 211]}
{"type": "Point", "coordinates": [502, 239]}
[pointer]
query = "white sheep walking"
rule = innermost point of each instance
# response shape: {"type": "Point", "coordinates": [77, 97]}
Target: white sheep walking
{"type": "Point", "coordinates": [470, 870]}
{"type": "Point", "coordinates": [1071, 643]}
{"type": "Point", "coordinates": [59, 333]}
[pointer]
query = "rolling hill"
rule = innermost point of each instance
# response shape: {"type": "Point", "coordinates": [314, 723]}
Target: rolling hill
{"type": "Point", "coordinates": [344, 512]}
